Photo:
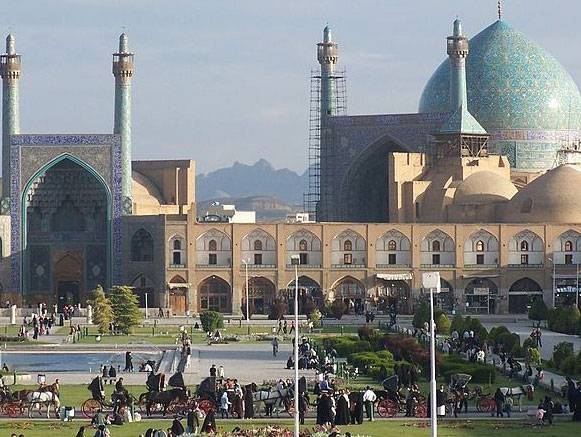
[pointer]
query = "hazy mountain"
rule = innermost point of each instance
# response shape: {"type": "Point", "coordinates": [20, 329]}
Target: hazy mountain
{"type": "Point", "coordinates": [267, 208]}
{"type": "Point", "coordinates": [260, 179]}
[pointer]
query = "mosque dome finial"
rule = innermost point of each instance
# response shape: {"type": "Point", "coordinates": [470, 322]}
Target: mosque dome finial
{"type": "Point", "coordinates": [123, 43]}
{"type": "Point", "coordinates": [10, 47]}
{"type": "Point", "coordinates": [327, 37]}
{"type": "Point", "coordinates": [500, 9]}
{"type": "Point", "coordinates": [458, 27]}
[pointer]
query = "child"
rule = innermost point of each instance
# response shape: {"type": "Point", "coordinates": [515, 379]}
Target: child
{"type": "Point", "coordinates": [540, 414]}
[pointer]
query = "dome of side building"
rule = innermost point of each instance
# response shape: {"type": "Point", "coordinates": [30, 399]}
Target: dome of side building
{"type": "Point", "coordinates": [551, 198]}
{"type": "Point", "coordinates": [484, 187]}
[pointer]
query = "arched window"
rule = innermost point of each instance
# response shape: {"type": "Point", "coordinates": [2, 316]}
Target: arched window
{"type": "Point", "coordinates": [257, 245]}
{"type": "Point", "coordinates": [142, 246]}
{"type": "Point", "coordinates": [479, 246]}
{"type": "Point", "coordinates": [568, 246]}
{"type": "Point", "coordinates": [435, 246]}
{"type": "Point", "coordinates": [212, 245]}
{"type": "Point", "coordinates": [303, 245]}
{"type": "Point", "coordinates": [391, 245]}
{"type": "Point", "coordinates": [177, 245]}
{"type": "Point", "coordinates": [524, 246]}
{"type": "Point", "coordinates": [347, 245]}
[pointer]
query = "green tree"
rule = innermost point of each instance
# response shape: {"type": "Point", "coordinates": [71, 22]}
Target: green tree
{"type": "Point", "coordinates": [211, 320]}
{"type": "Point", "coordinates": [457, 324]}
{"type": "Point", "coordinates": [443, 324]}
{"type": "Point", "coordinates": [102, 310]}
{"type": "Point", "coordinates": [539, 310]}
{"type": "Point", "coordinates": [125, 306]}
{"type": "Point", "coordinates": [421, 315]}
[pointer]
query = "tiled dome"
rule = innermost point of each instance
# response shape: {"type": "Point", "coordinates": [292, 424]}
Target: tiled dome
{"type": "Point", "coordinates": [517, 91]}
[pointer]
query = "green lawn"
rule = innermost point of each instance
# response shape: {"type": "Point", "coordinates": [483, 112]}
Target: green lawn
{"type": "Point", "coordinates": [376, 429]}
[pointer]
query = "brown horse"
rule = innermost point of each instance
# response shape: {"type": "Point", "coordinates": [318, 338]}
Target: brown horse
{"type": "Point", "coordinates": [163, 398]}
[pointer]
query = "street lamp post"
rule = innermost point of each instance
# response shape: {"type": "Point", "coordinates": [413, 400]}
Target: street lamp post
{"type": "Point", "coordinates": [295, 261]}
{"type": "Point", "coordinates": [247, 306]}
{"type": "Point", "coordinates": [145, 305]}
{"type": "Point", "coordinates": [431, 280]}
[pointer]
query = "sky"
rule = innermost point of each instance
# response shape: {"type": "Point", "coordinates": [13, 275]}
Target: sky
{"type": "Point", "coordinates": [221, 81]}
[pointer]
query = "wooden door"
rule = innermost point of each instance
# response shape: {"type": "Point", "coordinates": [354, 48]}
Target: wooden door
{"type": "Point", "coordinates": [177, 302]}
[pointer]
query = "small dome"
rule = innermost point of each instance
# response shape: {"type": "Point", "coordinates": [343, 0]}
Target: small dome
{"type": "Point", "coordinates": [484, 187]}
{"type": "Point", "coordinates": [551, 198]}
{"type": "Point", "coordinates": [144, 192]}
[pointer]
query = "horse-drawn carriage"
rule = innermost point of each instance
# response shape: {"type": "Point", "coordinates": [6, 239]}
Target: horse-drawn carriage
{"type": "Point", "coordinates": [390, 402]}
{"type": "Point", "coordinates": [120, 402]}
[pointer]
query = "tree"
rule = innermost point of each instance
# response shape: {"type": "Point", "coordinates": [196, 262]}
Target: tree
{"type": "Point", "coordinates": [443, 324]}
{"type": "Point", "coordinates": [211, 320]}
{"type": "Point", "coordinates": [539, 310]}
{"type": "Point", "coordinates": [125, 306]}
{"type": "Point", "coordinates": [421, 315]}
{"type": "Point", "coordinates": [102, 310]}
{"type": "Point", "coordinates": [277, 309]}
{"type": "Point", "coordinates": [338, 308]}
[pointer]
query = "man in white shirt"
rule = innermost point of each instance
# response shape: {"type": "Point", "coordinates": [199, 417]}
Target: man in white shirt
{"type": "Point", "coordinates": [369, 398]}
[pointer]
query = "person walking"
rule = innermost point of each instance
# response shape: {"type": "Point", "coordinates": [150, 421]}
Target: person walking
{"type": "Point", "coordinates": [284, 327]}
{"type": "Point", "coordinates": [303, 402]}
{"type": "Point", "coordinates": [369, 398]}
{"type": "Point", "coordinates": [274, 346]}
{"type": "Point", "coordinates": [224, 405]}
{"type": "Point", "coordinates": [213, 371]}
{"type": "Point", "coordinates": [292, 327]}
{"type": "Point", "coordinates": [571, 394]}
{"type": "Point", "coordinates": [128, 362]}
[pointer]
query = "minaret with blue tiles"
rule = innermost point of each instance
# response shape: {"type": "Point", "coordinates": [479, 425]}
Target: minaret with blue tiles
{"type": "Point", "coordinates": [462, 135]}
{"type": "Point", "coordinates": [123, 67]}
{"type": "Point", "coordinates": [457, 48]}
{"type": "Point", "coordinates": [10, 67]}
{"type": "Point", "coordinates": [328, 55]}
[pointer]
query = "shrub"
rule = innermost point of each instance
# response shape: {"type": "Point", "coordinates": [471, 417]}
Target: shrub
{"type": "Point", "coordinates": [348, 345]}
{"type": "Point", "coordinates": [338, 308]}
{"type": "Point", "coordinates": [569, 365]}
{"type": "Point", "coordinates": [315, 317]}
{"type": "Point", "coordinates": [535, 356]}
{"type": "Point", "coordinates": [480, 331]}
{"type": "Point", "coordinates": [561, 351]}
{"type": "Point", "coordinates": [365, 332]}
{"type": "Point", "coordinates": [564, 319]}
{"type": "Point", "coordinates": [211, 320]}
{"type": "Point", "coordinates": [374, 362]}
{"type": "Point", "coordinates": [496, 332]}
{"type": "Point", "coordinates": [307, 307]}
{"type": "Point", "coordinates": [578, 363]}
{"type": "Point", "coordinates": [528, 343]}
{"type": "Point", "coordinates": [510, 342]}
{"type": "Point", "coordinates": [408, 349]}
{"type": "Point", "coordinates": [278, 308]}
{"type": "Point", "coordinates": [480, 374]}
{"type": "Point", "coordinates": [443, 324]}
{"type": "Point", "coordinates": [539, 310]}
{"type": "Point", "coordinates": [421, 315]}
{"type": "Point", "coordinates": [457, 324]}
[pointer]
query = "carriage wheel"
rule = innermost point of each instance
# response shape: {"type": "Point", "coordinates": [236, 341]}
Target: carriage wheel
{"type": "Point", "coordinates": [484, 405]}
{"type": "Point", "coordinates": [177, 407]}
{"type": "Point", "coordinates": [206, 405]}
{"type": "Point", "coordinates": [90, 408]}
{"type": "Point", "coordinates": [420, 410]}
{"type": "Point", "coordinates": [387, 408]}
{"type": "Point", "coordinates": [13, 409]}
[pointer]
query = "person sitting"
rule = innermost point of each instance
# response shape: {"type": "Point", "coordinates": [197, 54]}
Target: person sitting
{"type": "Point", "coordinates": [112, 373]}
{"type": "Point", "coordinates": [290, 363]}
{"type": "Point", "coordinates": [120, 395]}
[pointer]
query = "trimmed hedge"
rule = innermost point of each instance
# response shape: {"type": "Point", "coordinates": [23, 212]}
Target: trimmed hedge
{"type": "Point", "coordinates": [455, 364]}
{"type": "Point", "coordinates": [565, 319]}
{"type": "Point", "coordinates": [347, 345]}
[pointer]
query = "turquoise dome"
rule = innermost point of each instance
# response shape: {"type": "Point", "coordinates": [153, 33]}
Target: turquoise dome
{"type": "Point", "coordinates": [512, 84]}
{"type": "Point", "coordinates": [518, 92]}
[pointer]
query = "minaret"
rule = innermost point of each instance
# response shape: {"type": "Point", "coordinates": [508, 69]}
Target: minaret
{"type": "Point", "coordinates": [10, 67]}
{"type": "Point", "coordinates": [457, 45]}
{"type": "Point", "coordinates": [123, 72]}
{"type": "Point", "coordinates": [327, 55]}
{"type": "Point", "coordinates": [461, 136]}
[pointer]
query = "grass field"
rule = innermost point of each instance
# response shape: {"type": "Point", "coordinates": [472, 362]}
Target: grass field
{"type": "Point", "coordinates": [376, 429]}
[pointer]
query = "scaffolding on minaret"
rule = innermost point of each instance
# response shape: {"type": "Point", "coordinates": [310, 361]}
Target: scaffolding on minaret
{"type": "Point", "coordinates": [312, 198]}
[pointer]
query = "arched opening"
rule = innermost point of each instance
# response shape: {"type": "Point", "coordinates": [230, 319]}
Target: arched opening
{"type": "Point", "coordinates": [177, 258]}
{"type": "Point", "coordinates": [352, 292]}
{"type": "Point", "coordinates": [261, 293]}
{"type": "Point", "coordinates": [481, 296]}
{"type": "Point", "coordinates": [445, 300]}
{"type": "Point", "coordinates": [392, 295]}
{"type": "Point", "coordinates": [364, 190]}
{"type": "Point", "coordinates": [141, 246]}
{"type": "Point", "coordinates": [68, 280]}
{"type": "Point", "coordinates": [521, 295]}
{"type": "Point", "coordinates": [142, 286]}
{"type": "Point", "coordinates": [65, 215]}
{"type": "Point", "coordinates": [178, 295]}
{"type": "Point", "coordinates": [310, 295]}
{"type": "Point", "coordinates": [215, 294]}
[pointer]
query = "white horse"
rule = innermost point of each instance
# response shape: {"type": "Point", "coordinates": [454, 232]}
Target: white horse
{"type": "Point", "coordinates": [518, 392]}
{"type": "Point", "coordinates": [275, 398]}
{"type": "Point", "coordinates": [39, 398]}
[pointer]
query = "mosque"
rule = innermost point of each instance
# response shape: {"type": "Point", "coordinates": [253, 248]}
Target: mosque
{"type": "Point", "coordinates": [478, 185]}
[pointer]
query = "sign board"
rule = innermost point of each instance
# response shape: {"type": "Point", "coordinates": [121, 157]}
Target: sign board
{"type": "Point", "coordinates": [481, 291]}
{"type": "Point", "coordinates": [431, 280]}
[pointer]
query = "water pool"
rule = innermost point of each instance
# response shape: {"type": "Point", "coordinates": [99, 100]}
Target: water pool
{"type": "Point", "coordinates": [50, 361]}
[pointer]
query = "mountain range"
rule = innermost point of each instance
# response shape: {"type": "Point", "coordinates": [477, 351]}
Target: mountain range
{"type": "Point", "coordinates": [259, 179]}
